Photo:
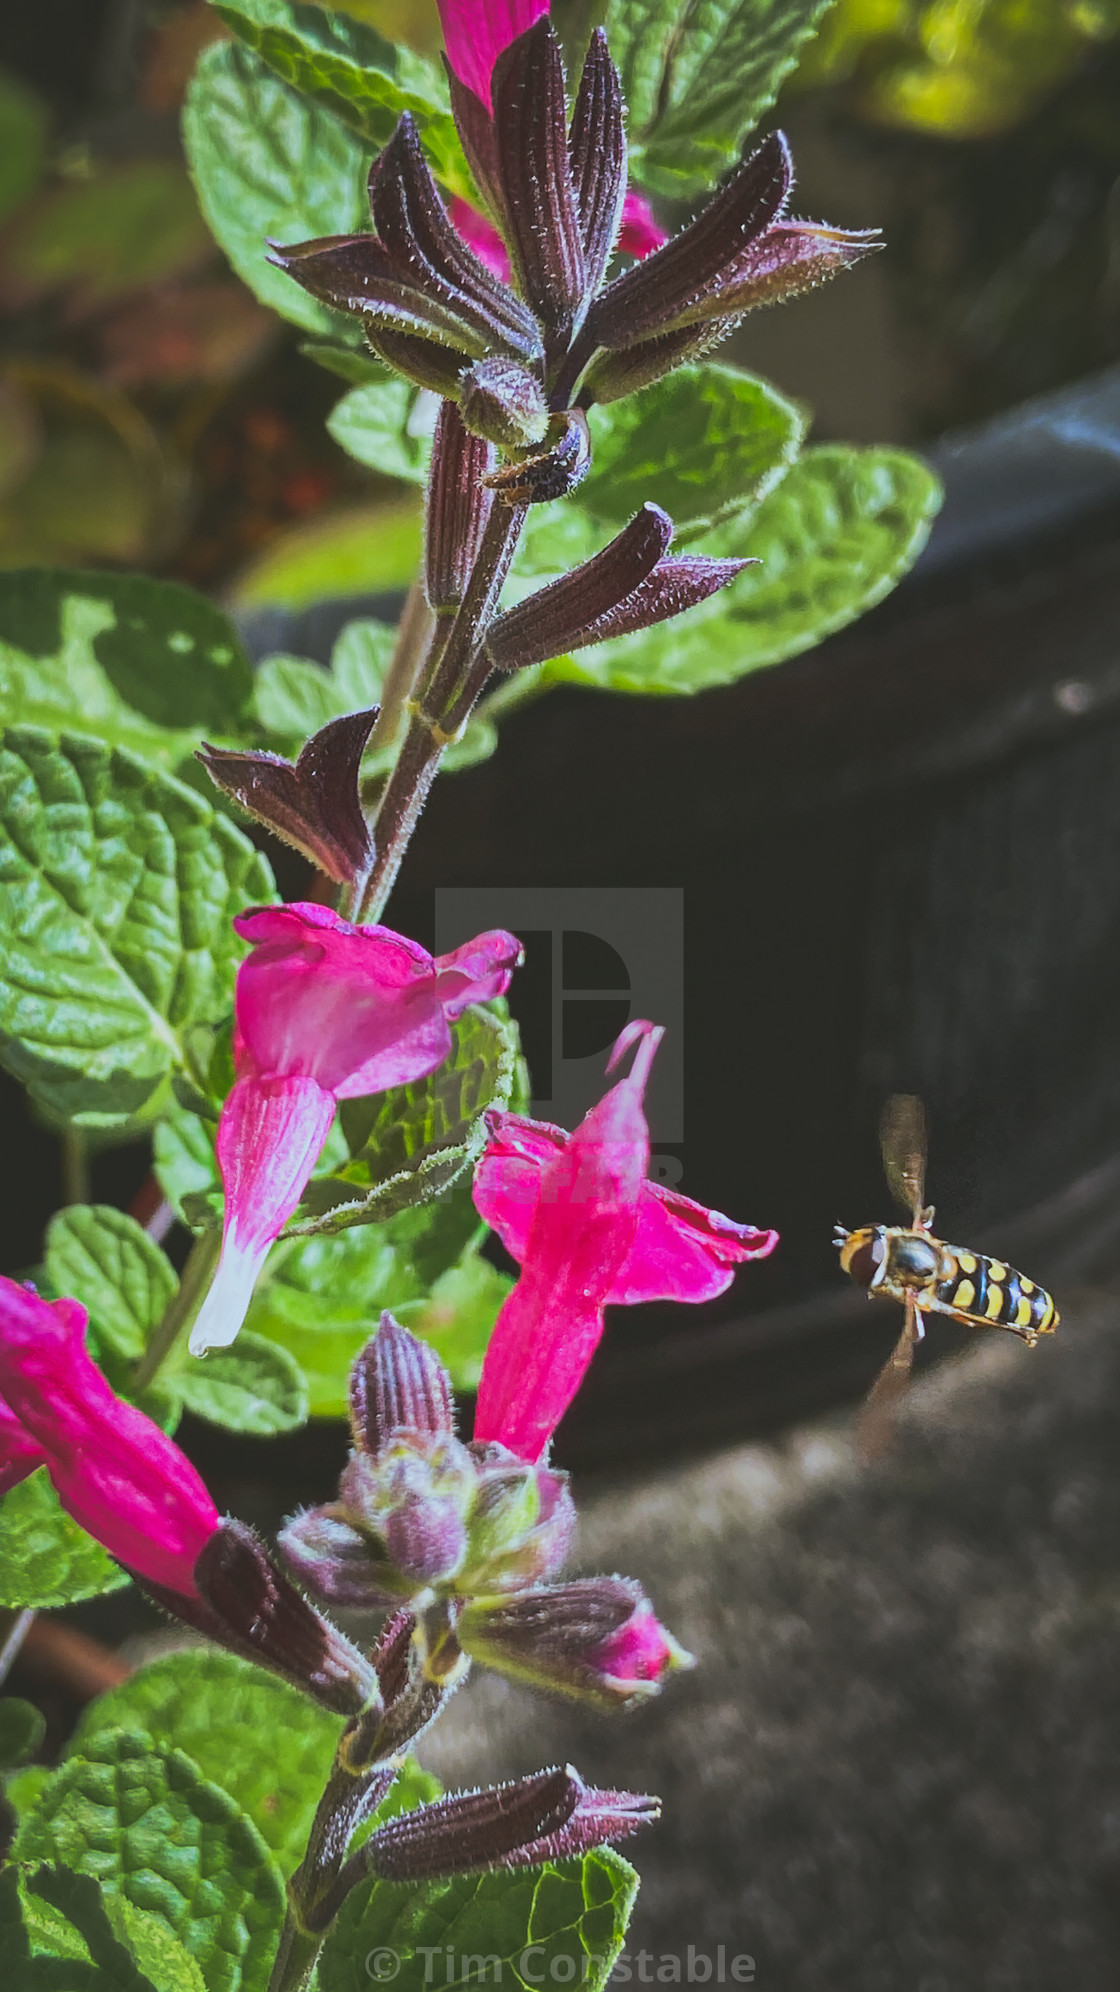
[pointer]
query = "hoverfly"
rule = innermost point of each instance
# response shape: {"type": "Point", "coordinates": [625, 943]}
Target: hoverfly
{"type": "Point", "coordinates": [906, 1263]}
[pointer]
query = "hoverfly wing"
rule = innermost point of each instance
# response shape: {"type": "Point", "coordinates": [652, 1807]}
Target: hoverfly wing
{"type": "Point", "coordinates": [876, 1422]}
{"type": "Point", "coordinates": [902, 1139]}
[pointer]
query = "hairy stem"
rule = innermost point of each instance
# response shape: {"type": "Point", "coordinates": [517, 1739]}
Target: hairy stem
{"type": "Point", "coordinates": [450, 674]}
{"type": "Point", "coordinates": [75, 1168]}
{"type": "Point", "coordinates": [295, 1956]}
{"type": "Point", "coordinates": [14, 1634]}
{"type": "Point", "coordinates": [183, 1306]}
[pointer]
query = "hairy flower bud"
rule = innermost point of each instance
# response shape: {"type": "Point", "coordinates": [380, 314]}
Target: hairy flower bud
{"type": "Point", "coordinates": [548, 1816]}
{"type": "Point", "coordinates": [312, 803]}
{"type": "Point", "coordinates": [503, 402]}
{"type": "Point", "coordinates": [597, 1640]}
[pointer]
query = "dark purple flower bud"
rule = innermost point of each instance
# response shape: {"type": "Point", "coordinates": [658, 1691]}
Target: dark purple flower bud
{"type": "Point", "coordinates": [597, 1640]}
{"type": "Point", "coordinates": [504, 402]}
{"type": "Point", "coordinates": [251, 1607]}
{"type": "Point", "coordinates": [597, 150]}
{"type": "Point", "coordinates": [398, 1382]}
{"type": "Point", "coordinates": [791, 257]}
{"type": "Point", "coordinates": [541, 1818]}
{"type": "Point", "coordinates": [689, 269]}
{"type": "Point", "coordinates": [437, 368]}
{"type": "Point", "coordinates": [411, 1700]}
{"type": "Point", "coordinates": [458, 507]}
{"type": "Point", "coordinates": [521, 1527]}
{"type": "Point", "coordinates": [312, 803]}
{"type": "Point", "coordinates": [336, 1562]}
{"type": "Point", "coordinates": [626, 587]}
{"type": "Point", "coordinates": [427, 251]}
{"type": "Point", "coordinates": [613, 375]}
{"type": "Point", "coordinates": [548, 473]}
{"type": "Point", "coordinates": [480, 147]}
{"type": "Point", "coordinates": [354, 273]}
{"type": "Point", "coordinates": [538, 199]}
{"type": "Point", "coordinates": [426, 1539]}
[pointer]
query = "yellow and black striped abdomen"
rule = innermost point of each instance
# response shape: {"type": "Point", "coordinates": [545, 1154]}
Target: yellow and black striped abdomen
{"type": "Point", "coordinates": [988, 1293]}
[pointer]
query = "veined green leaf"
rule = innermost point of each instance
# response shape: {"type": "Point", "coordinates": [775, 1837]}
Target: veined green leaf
{"type": "Point", "coordinates": [268, 163]}
{"type": "Point", "coordinates": [255, 1386]}
{"type": "Point", "coordinates": [515, 1923]}
{"type": "Point", "coordinates": [703, 443]}
{"type": "Point", "coordinates": [146, 665]}
{"type": "Point", "coordinates": [697, 75]}
{"type": "Point", "coordinates": [832, 540]}
{"type": "Point", "coordinates": [150, 1827]}
{"type": "Point", "coordinates": [118, 887]}
{"type": "Point", "coordinates": [45, 1558]}
{"type": "Point", "coordinates": [345, 66]}
{"type": "Point", "coordinates": [107, 1260]}
{"type": "Point", "coordinates": [378, 425]}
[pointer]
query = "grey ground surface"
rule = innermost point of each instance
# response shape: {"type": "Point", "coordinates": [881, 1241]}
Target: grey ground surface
{"type": "Point", "coordinates": [897, 1766]}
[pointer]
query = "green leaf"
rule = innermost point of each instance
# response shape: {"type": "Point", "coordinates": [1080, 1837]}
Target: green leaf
{"type": "Point", "coordinates": [223, 1711]}
{"type": "Point", "coordinates": [14, 1945]}
{"type": "Point", "coordinates": [159, 1954]}
{"type": "Point", "coordinates": [118, 887]}
{"type": "Point", "coordinates": [697, 77]}
{"type": "Point", "coordinates": [79, 1902]}
{"type": "Point", "coordinates": [834, 538]}
{"type": "Point", "coordinates": [120, 1273]}
{"type": "Point", "coordinates": [255, 1387]}
{"type": "Point", "coordinates": [409, 1144]}
{"type": "Point", "coordinates": [269, 163]}
{"type": "Point", "coordinates": [23, 143]}
{"type": "Point", "coordinates": [152, 1829]}
{"type": "Point", "coordinates": [378, 425]}
{"type": "Point", "coordinates": [345, 66]}
{"type": "Point", "coordinates": [348, 363]}
{"type": "Point", "coordinates": [184, 1159]}
{"type": "Point", "coordinates": [574, 1910]}
{"type": "Point", "coordinates": [45, 1558]}
{"type": "Point", "coordinates": [356, 550]}
{"type": "Point", "coordinates": [22, 1729]}
{"type": "Point", "coordinates": [142, 664]}
{"type": "Point", "coordinates": [703, 443]}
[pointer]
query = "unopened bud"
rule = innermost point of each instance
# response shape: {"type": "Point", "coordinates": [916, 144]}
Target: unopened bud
{"type": "Point", "coordinates": [597, 1640]}
{"type": "Point", "coordinates": [505, 403]}
{"type": "Point", "coordinates": [546, 1817]}
{"type": "Point", "coordinates": [397, 1381]}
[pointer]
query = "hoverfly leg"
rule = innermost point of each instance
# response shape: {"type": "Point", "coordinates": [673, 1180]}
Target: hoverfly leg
{"type": "Point", "coordinates": [876, 1421]}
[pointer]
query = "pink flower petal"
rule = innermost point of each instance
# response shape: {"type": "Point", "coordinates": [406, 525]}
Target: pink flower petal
{"type": "Point", "coordinates": [477, 972]}
{"type": "Point", "coordinates": [579, 1238]}
{"type": "Point", "coordinates": [640, 234]}
{"type": "Point", "coordinates": [683, 1251]}
{"type": "Point", "coordinates": [114, 1471]}
{"type": "Point", "coordinates": [476, 31]}
{"type": "Point", "coordinates": [270, 1136]}
{"type": "Point", "coordinates": [481, 235]}
{"type": "Point", "coordinates": [508, 1176]}
{"type": "Point", "coordinates": [20, 1454]}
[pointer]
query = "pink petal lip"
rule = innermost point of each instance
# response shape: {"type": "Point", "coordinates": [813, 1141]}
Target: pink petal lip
{"type": "Point", "coordinates": [476, 32]}
{"type": "Point", "coordinates": [114, 1471]}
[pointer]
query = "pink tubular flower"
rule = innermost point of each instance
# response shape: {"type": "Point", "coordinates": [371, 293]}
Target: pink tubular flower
{"type": "Point", "coordinates": [325, 1011]}
{"type": "Point", "coordinates": [114, 1471]}
{"type": "Point", "coordinates": [588, 1229]}
{"type": "Point", "coordinates": [476, 32]}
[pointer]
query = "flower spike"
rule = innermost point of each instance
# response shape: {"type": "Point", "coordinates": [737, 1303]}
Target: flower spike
{"type": "Point", "coordinates": [530, 128]}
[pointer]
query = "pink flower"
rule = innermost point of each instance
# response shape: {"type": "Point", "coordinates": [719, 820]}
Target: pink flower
{"type": "Point", "coordinates": [325, 1011]}
{"type": "Point", "coordinates": [476, 31]}
{"type": "Point", "coordinates": [114, 1471]}
{"type": "Point", "coordinates": [639, 237]}
{"type": "Point", "coordinates": [588, 1230]}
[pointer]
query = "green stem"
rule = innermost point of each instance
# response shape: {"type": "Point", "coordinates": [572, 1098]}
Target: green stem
{"type": "Point", "coordinates": [414, 637]}
{"type": "Point", "coordinates": [406, 790]}
{"type": "Point", "coordinates": [181, 1309]}
{"type": "Point", "coordinates": [75, 1168]}
{"type": "Point", "coordinates": [295, 1956]}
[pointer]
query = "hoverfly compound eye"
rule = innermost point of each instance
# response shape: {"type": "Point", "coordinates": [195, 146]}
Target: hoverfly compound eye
{"type": "Point", "coordinates": [866, 1260]}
